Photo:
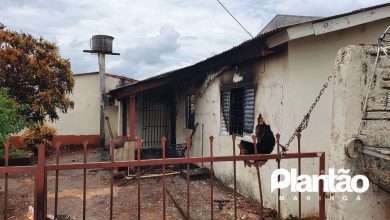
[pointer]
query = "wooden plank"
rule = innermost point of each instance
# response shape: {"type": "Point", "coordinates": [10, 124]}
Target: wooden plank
{"type": "Point", "coordinates": [158, 175]}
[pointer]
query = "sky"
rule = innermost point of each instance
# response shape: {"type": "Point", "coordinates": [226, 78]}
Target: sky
{"type": "Point", "coordinates": [154, 36]}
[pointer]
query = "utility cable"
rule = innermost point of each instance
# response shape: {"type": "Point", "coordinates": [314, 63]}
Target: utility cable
{"type": "Point", "coordinates": [227, 10]}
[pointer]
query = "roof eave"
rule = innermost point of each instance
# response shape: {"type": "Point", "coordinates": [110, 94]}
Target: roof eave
{"type": "Point", "coordinates": [248, 49]}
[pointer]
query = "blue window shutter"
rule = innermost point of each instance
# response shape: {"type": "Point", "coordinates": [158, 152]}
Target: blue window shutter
{"type": "Point", "coordinates": [249, 109]}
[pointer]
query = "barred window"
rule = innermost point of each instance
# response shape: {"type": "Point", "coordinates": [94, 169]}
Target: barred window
{"type": "Point", "coordinates": [237, 110]}
{"type": "Point", "coordinates": [190, 111]}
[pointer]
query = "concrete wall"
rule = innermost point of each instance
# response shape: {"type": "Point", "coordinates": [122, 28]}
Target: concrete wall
{"type": "Point", "coordinates": [311, 60]}
{"type": "Point", "coordinates": [349, 92]}
{"type": "Point", "coordinates": [84, 118]}
{"type": "Point", "coordinates": [287, 84]}
{"type": "Point", "coordinates": [269, 95]}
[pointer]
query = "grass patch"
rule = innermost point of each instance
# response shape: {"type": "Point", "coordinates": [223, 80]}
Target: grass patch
{"type": "Point", "coordinates": [13, 153]}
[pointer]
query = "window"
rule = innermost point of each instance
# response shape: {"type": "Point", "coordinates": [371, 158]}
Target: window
{"type": "Point", "coordinates": [237, 110]}
{"type": "Point", "coordinates": [190, 111]}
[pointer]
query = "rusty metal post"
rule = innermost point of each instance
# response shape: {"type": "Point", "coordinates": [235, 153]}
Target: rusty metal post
{"type": "Point", "coordinates": [299, 173]}
{"type": "Point", "coordinates": [112, 158]}
{"type": "Point", "coordinates": [254, 139]}
{"type": "Point", "coordinates": [6, 157]}
{"type": "Point", "coordinates": [40, 182]}
{"type": "Point", "coordinates": [85, 145]}
{"type": "Point", "coordinates": [234, 176]}
{"type": "Point", "coordinates": [188, 143]}
{"type": "Point", "coordinates": [212, 176]}
{"type": "Point", "coordinates": [139, 143]}
{"type": "Point", "coordinates": [163, 143]}
{"type": "Point", "coordinates": [278, 150]}
{"type": "Point", "coordinates": [57, 146]}
{"type": "Point", "coordinates": [132, 117]}
{"type": "Point", "coordinates": [321, 187]}
{"type": "Point", "coordinates": [202, 140]}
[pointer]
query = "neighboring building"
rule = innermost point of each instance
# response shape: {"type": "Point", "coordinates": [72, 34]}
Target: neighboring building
{"type": "Point", "coordinates": [278, 74]}
{"type": "Point", "coordinates": [82, 122]}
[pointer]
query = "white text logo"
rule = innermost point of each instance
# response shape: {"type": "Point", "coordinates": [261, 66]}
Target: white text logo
{"type": "Point", "coordinates": [332, 183]}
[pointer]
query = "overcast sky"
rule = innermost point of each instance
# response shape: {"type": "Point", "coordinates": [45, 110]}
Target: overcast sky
{"type": "Point", "coordinates": [154, 36]}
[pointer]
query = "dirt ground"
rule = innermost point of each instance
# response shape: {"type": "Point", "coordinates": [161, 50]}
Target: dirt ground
{"type": "Point", "coordinates": [21, 191]}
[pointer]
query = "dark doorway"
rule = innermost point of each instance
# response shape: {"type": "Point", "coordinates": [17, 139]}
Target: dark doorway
{"type": "Point", "coordinates": [157, 118]}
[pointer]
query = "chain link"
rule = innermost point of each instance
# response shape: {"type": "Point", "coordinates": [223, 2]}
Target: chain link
{"type": "Point", "coordinates": [305, 121]}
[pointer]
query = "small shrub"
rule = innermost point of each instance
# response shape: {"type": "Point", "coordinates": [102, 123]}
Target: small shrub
{"type": "Point", "coordinates": [38, 134]}
{"type": "Point", "coordinates": [13, 153]}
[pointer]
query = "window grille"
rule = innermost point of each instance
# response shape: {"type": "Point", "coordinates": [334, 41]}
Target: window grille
{"type": "Point", "coordinates": [190, 111]}
{"type": "Point", "coordinates": [237, 110]}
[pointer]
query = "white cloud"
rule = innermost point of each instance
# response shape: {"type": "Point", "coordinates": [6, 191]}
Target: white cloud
{"type": "Point", "coordinates": [154, 36]}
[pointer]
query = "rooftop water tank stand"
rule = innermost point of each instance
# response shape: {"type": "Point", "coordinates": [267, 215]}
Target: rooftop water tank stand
{"type": "Point", "coordinates": [101, 45]}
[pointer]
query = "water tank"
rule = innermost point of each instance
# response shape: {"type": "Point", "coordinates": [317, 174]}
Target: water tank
{"type": "Point", "coordinates": [101, 43]}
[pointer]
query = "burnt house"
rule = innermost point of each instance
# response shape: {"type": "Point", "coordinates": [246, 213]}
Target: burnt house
{"type": "Point", "coordinates": [276, 74]}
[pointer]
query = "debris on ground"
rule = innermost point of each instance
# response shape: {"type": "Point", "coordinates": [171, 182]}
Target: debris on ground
{"type": "Point", "coordinates": [21, 194]}
{"type": "Point", "coordinates": [197, 173]}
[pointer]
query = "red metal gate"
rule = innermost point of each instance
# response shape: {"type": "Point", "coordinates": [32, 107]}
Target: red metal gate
{"type": "Point", "coordinates": [41, 170]}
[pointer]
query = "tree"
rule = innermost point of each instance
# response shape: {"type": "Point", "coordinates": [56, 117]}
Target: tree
{"type": "Point", "coordinates": [36, 74]}
{"type": "Point", "coordinates": [11, 118]}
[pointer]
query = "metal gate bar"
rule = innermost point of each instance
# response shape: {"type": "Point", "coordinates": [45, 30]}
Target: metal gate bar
{"type": "Point", "coordinates": [6, 157]}
{"type": "Point", "coordinates": [155, 120]}
{"type": "Point", "coordinates": [160, 162]}
{"type": "Point", "coordinates": [188, 142]}
{"type": "Point", "coordinates": [234, 177]}
{"type": "Point", "coordinates": [212, 176]}
{"type": "Point", "coordinates": [41, 170]}
{"type": "Point", "coordinates": [163, 144]}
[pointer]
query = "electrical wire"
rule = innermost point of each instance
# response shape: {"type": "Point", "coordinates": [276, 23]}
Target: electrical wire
{"type": "Point", "coordinates": [227, 10]}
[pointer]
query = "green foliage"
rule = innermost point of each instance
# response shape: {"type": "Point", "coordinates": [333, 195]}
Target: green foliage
{"type": "Point", "coordinates": [11, 118]}
{"type": "Point", "coordinates": [12, 153]}
{"type": "Point", "coordinates": [36, 74]}
{"type": "Point", "coordinates": [38, 134]}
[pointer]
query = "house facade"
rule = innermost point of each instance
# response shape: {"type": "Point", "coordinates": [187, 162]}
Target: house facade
{"type": "Point", "coordinates": [82, 122]}
{"type": "Point", "coordinates": [278, 74]}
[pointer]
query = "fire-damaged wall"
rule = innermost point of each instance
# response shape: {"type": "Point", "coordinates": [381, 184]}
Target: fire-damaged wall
{"type": "Point", "coordinates": [264, 79]}
{"type": "Point", "coordinates": [285, 84]}
{"type": "Point", "coordinates": [350, 91]}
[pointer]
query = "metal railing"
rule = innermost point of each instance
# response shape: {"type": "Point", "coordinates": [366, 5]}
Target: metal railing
{"type": "Point", "coordinates": [40, 170]}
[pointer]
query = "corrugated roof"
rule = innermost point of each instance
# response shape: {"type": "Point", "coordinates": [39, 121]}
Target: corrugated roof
{"type": "Point", "coordinates": [241, 52]}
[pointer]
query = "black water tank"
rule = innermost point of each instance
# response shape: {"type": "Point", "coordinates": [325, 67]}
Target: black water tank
{"type": "Point", "coordinates": [102, 44]}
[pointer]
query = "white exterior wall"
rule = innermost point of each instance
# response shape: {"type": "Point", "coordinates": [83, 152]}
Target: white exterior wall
{"type": "Point", "coordinates": [311, 60]}
{"type": "Point", "coordinates": [285, 91]}
{"type": "Point", "coordinates": [84, 119]}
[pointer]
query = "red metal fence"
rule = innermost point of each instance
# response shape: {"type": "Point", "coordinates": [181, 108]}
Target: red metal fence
{"type": "Point", "coordinates": [41, 170]}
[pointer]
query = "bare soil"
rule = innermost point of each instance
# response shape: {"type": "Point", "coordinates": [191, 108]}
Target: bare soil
{"type": "Point", "coordinates": [21, 192]}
